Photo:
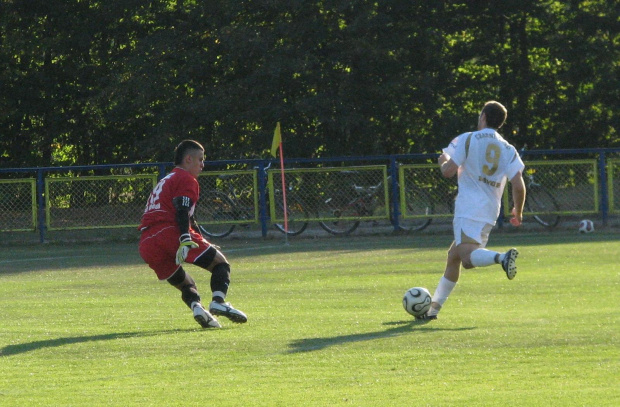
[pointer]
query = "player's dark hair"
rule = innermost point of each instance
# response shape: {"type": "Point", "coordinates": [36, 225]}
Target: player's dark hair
{"type": "Point", "coordinates": [184, 148]}
{"type": "Point", "coordinates": [495, 113]}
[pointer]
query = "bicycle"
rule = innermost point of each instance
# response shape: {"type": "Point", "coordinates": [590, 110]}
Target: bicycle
{"type": "Point", "coordinates": [224, 211]}
{"type": "Point", "coordinates": [369, 201]}
{"type": "Point", "coordinates": [297, 211]}
{"type": "Point", "coordinates": [418, 207]}
{"type": "Point", "coordinates": [538, 200]}
{"type": "Point", "coordinates": [540, 203]}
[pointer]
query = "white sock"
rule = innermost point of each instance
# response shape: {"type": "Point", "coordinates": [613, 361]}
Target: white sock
{"type": "Point", "coordinates": [483, 257]}
{"type": "Point", "coordinates": [219, 294]}
{"type": "Point", "coordinates": [443, 290]}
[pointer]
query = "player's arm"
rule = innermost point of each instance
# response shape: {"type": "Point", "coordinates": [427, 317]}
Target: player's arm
{"type": "Point", "coordinates": [518, 196]}
{"type": "Point", "coordinates": [447, 166]}
{"type": "Point", "coordinates": [183, 204]}
{"type": "Point", "coordinates": [193, 223]}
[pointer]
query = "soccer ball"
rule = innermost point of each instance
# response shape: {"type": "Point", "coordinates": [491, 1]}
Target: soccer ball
{"type": "Point", "coordinates": [417, 301]}
{"type": "Point", "coordinates": [586, 226]}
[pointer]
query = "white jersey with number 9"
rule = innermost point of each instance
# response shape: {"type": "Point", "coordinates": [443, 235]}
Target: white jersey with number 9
{"type": "Point", "coordinates": [485, 162]}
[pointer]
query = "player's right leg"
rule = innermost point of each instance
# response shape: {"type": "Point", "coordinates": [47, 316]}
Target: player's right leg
{"type": "Point", "coordinates": [204, 317]}
{"type": "Point", "coordinates": [446, 283]}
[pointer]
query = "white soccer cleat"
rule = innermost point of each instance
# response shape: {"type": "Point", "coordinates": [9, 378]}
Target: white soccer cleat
{"type": "Point", "coordinates": [426, 317]}
{"type": "Point", "coordinates": [204, 318]}
{"type": "Point", "coordinates": [509, 263]}
{"type": "Point", "coordinates": [226, 310]}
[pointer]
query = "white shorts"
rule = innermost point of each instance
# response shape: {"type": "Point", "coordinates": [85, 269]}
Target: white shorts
{"type": "Point", "coordinates": [471, 231]}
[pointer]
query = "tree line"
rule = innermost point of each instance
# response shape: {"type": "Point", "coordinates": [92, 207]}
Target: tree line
{"type": "Point", "coordinates": [95, 82]}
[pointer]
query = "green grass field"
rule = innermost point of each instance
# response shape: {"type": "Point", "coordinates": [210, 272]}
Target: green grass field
{"type": "Point", "coordinates": [90, 325]}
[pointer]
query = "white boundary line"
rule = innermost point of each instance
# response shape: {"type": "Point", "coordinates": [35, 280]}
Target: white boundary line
{"type": "Point", "coordinates": [41, 258]}
{"type": "Point", "coordinates": [106, 255]}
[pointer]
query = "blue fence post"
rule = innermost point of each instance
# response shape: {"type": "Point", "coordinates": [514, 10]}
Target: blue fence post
{"type": "Point", "coordinates": [162, 171]}
{"type": "Point", "coordinates": [41, 205]}
{"type": "Point", "coordinates": [603, 187]}
{"type": "Point", "coordinates": [395, 192]}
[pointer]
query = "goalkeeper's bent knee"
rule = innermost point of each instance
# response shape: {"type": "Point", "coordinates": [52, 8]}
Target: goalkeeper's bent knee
{"type": "Point", "coordinates": [177, 278]}
{"type": "Point", "coordinates": [187, 285]}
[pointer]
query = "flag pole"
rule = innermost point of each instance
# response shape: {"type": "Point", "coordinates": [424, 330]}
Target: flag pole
{"type": "Point", "coordinates": [276, 145]}
{"type": "Point", "coordinates": [284, 196]}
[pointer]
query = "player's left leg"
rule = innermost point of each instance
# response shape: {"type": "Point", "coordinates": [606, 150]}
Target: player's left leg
{"type": "Point", "coordinates": [220, 279]}
{"type": "Point", "coordinates": [214, 261]}
{"type": "Point", "coordinates": [508, 261]}
{"type": "Point", "coordinates": [481, 257]}
{"type": "Point", "coordinates": [189, 294]}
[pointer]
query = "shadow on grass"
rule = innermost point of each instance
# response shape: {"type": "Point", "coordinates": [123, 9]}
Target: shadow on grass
{"type": "Point", "coordinates": [400, 328]}
{"type": "Point", "coordinates": [11, 350]}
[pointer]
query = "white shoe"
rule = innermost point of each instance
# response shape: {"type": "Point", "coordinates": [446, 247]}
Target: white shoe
{"type": "Point", "coordinates": [204, 318]}
{"type": "Point", "coordinates": [509, 263]}
{"type": "Point", "coordinates": [426, 317]}
{"type": "Point", "coordinates": [431, 314]}
{"type": "Point", "coordinates": [226, 310]}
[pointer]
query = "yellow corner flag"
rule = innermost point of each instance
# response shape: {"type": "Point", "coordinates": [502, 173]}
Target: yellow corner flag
{"type": "Point", "coordinates": [277, 139]}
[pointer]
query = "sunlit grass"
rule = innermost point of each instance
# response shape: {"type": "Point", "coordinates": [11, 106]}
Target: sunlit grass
{"type": "Point", "coordinates": [90, 325]}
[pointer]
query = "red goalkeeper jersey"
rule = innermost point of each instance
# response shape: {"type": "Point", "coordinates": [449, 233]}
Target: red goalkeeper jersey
{"type": "Point", "coordinates": [159, 209]}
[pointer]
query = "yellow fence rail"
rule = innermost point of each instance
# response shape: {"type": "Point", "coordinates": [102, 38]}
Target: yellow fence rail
{"type": "Point", "coordinates": [329, 195]}
{"type": "Point", "coordinates": [92, 202]}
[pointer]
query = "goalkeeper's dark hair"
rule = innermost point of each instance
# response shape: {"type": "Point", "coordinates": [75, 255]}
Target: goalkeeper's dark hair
{"type": "Point", "coordinates": [184, 148]}
{"type": "Point", "coordinates": [495, 113]}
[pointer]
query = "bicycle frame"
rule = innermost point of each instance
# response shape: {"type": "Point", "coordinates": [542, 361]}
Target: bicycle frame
{"type": "Point", "coordinates": [225, 210]}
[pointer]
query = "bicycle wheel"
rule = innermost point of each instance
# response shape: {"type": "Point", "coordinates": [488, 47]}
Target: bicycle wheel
{"type": "Point", "coordinates": [216, 208]}
{"type": "Point", "coordinates": [297, 215]}
{"type": "Point", "coordinates": [335, 225]}
{"type": "Point", "coordinates": [541, 202]}
{"type": "Point", "coordinates": [419, 209]}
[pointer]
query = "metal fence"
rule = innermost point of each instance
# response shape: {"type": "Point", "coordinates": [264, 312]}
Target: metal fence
{"type": "Point", "coordinates": [91, 202]}
{"type": "Point", "coordinates": [404, 192]}
{"type": "Point", "coordinates": [18, 204]}
{"type": "Point", "coordinates": [613, 186]}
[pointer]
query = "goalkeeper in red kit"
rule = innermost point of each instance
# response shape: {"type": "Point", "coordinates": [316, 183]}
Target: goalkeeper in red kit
{"type": "Point", "coordinates": [168, 238]}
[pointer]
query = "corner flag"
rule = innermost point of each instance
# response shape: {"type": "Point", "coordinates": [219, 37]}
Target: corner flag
{"type": "Point", "coordinates": [277, 140]}
{"type": "Point", "coordinates": [275, 145]}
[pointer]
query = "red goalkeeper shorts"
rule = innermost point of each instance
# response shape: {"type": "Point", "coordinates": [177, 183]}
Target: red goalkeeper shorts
{"type": "Point", "coordinates": [159, 245]}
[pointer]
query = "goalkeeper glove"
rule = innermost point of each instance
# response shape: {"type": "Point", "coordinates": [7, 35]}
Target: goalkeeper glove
{"type": "Point", "coordinates": [184, 247]}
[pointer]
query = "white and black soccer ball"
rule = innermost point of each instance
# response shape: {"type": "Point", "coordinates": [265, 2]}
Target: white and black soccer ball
{"type": "Point", "coordinates": [417, 301]}
{"type": "Point", "coordinates": [586, 226]}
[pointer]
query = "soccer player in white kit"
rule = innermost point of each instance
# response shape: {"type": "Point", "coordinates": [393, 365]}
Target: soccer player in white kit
{"type": "Point", "coordinates": [483, 161]}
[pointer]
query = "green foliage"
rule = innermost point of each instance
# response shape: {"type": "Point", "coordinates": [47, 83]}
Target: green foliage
{"type": "Point", "coordinates": [124, 81]}
{"type": "Point", "coordinates": [89, 325]}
